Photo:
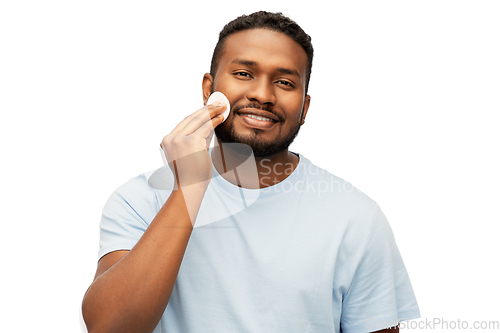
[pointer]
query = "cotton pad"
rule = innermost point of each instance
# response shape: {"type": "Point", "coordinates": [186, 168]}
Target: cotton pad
{"type": "Point", "coordinates": [220, 97]}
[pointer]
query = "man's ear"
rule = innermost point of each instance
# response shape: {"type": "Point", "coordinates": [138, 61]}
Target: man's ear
{"type": "Point", "coordinates": [307, 101]}
{"type": "Point", "coordinates": [206, 87]}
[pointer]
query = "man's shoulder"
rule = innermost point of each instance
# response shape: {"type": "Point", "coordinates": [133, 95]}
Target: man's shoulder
{"type": "Point", "coordinates": [325, 182]}
{"type": "Point", "coordinates": [312, 170]}
{"type": "Point", "coordinates": [137, 188]}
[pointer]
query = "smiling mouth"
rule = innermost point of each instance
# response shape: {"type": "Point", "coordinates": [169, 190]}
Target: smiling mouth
{"type": "Point", "coordinates": [259, 122]}
{"type": "Point", "coordinates": [258, 117]}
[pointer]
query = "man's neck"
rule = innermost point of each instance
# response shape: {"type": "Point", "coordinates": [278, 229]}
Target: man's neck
{"type": "Point", "coordinates": [236, 167]}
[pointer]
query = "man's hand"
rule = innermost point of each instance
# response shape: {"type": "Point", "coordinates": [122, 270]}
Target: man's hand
{"type": "Point", "coordinates": [186, 147]}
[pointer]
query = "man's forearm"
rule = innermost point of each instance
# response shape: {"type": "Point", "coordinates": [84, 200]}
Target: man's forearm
{"type": "Point", "coordinates": [132, 295]}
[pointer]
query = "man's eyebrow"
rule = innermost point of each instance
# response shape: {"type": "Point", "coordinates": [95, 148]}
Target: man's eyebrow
{"type": "Point", "coordinates": [244, 62]}
{"type": "Point", "coordinates": [288, 71]}
{"type": "Point", "coordinates": [279, 70]}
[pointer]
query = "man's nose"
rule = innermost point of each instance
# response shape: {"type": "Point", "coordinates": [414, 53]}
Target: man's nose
{"type": "Point", "coordinates": [262, 91]}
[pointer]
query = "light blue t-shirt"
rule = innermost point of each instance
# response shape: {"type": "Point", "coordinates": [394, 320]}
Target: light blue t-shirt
{"type": "Point", "coordinates": [309, 254]}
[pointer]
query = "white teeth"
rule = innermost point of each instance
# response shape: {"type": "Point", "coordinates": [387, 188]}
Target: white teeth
{"type": "Point", "coordinates": [258, 118]}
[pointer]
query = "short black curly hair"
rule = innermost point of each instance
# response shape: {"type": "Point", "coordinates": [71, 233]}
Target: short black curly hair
{"type": "Point", "coordinates": [265, 20]}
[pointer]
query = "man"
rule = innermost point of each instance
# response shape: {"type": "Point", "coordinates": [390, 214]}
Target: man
{"type": "Point", "coordinates": [275, 245]}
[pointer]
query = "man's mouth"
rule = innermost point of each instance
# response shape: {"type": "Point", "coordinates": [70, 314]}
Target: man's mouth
{"type": "Point", "coordinates": [255, 121]}
{"type": "Point", "coordinates": [257, 117]}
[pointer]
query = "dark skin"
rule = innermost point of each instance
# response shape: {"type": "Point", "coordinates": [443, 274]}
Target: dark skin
{"type": "Point", "coordinates": [131, 289]}
{"type": "Point", "coordinates": [268, 69]}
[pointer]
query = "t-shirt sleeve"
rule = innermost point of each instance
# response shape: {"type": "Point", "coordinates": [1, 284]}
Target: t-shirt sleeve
{"type": "Point", "coordinates": [380, 294]}
{"type": "Point", "coordinates": [126, 215]}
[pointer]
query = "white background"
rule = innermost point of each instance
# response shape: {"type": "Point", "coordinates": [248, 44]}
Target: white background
{"type": "Point", "coordinates": [405, 103]}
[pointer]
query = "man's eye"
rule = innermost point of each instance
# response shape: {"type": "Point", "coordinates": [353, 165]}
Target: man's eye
{"type": "Point", "coordinates": [285, 83]}
{"type": "Point", "coordinates": [242, 74]}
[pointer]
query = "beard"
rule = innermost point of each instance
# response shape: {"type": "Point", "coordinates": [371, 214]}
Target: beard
{"type": "Point", "coordinates": [261, 148]}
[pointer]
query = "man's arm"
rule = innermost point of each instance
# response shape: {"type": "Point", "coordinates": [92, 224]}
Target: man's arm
{"type": "Point", "coordinates": [132, 288]}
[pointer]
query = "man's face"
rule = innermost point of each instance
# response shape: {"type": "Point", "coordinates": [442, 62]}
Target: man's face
{"type": "Point", "coordinates": [262, 73]}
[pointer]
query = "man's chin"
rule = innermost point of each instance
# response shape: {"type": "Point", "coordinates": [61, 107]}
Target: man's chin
{"type": "Point", "coordinates": [260, 148]}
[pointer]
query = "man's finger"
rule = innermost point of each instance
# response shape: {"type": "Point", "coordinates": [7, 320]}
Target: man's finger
{"type": "Point", "coordinates": [207, 129]}
{"type": "Point", "coordinates": [194, 121]}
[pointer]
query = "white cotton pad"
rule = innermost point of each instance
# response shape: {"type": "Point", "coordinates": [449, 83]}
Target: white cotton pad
{"type": "Point", "coordinates": [220, 97]}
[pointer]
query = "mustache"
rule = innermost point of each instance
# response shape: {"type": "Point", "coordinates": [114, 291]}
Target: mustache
{"type": "Point", "coordinates": [257, 106]}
